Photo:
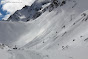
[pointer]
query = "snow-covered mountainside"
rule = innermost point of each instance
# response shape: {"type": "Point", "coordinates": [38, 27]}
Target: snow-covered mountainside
{"type": "Point", "coordinates": [28, 13]}
{"type": "Point", "coordinates": [60, 31]}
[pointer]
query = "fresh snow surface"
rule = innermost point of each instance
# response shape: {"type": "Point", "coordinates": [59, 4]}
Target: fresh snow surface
{"type": "Point", "coordinates": [59, 34]}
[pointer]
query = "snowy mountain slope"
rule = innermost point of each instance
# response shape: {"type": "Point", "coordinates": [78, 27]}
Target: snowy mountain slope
{"type": "Point", "coordinates": [59, 33]}
{"type": "Point", "coordinates": [29, 12]}
{"type": "Point", "coordinates": [69, 20]}
{"type": "Point", "coordinates": [18, 31]}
